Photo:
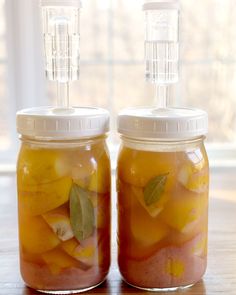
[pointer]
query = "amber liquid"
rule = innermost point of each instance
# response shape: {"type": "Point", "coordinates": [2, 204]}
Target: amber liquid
{"type": "Point", "coordinates": [162, 244]}
{"type": "Point", "coordinates": [51, 257]}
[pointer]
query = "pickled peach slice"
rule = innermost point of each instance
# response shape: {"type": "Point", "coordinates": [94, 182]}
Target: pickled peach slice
{"type": "Point", "coordinates": [69, 246]}
{"type": "Point", "coordinates": [31, 257]}
{"type": "Point", "coordinates": [198, 158]}
{"type": "Point", "coordinates": [193, 229]}
{"type": "Point", "coordinates": [145, 229]}
{"type": "Point", "coordinates": [199, 248]}
{"type": "Point", "coordinates": [100, 180]}
{"type": "Point", "coordinates": [180, 213]}
{"type": "Point", "coordinates": [80, 177]}
{"type": "Point", "coordinates": [85, 253]}
{"type": "Point", "coordinates": [39, 166]}
{"type": "Point", "coordinates": [193, 179]}
{"type": "Point", "coordinates": [194, 174]}
{"type": "Point", "coordinates": [59, 221]}
{"type": "Point", "coordinates": [42, 198]}
{"type": "Point", "coordinates": [139, 167]}
{"type": "Point", "coordinates": [175, 267]}
{"type": "Point", "coordinates": [84, 166]}
{"type": "Point", "coordinates": [128, 207]}
{"type": "Point", "coordinates": [36, 236]}
{"type": "Point", "coordinates": [153, 209]}
{"type": "Point", "coordinates": [57, 260]}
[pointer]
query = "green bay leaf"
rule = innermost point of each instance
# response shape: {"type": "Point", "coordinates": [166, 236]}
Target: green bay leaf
{"type": "Point", "coordinates": [154, 189]}
{"type": "Point", "coordinates": [81, 213]}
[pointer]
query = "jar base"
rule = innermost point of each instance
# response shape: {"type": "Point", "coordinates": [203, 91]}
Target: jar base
{"type": "Point", "coordinates": [65, 292]}
{"type": "Point", "coordinates": [172, 289]}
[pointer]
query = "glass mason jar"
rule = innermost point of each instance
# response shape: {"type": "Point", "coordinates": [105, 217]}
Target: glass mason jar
{"type": "Point", "coordinates": [162, 185]}
{"type": "Point", "coordinates": [63, 178]}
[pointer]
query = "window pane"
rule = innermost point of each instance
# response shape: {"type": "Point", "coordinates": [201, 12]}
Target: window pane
{"type": "Point", "coordinates": [208, 71]}
{"type": "Point", "coordinates": [5, 134]}
{"type": "Point", "coordinates": [130, 88]}
{"type": "Point", "coordinates": [5, 141]}
{"type": "Point", "coordinates": [94, 30]}
{"type": "Point", "coordinates": [212, 86]}
{"type": "Point", "coordinates": [91, 90]}
{"type": "Point", "coordinates": [128, 30]}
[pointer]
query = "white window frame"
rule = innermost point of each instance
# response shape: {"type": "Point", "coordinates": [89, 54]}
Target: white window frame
{"type": "Point", "coordinates": [25, 77]}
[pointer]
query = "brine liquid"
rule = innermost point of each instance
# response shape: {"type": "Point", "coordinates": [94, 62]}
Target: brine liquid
{"type": "Point", "coordinates": [162, 217]}
{"type": "Point", "coordinates": [64, 216]}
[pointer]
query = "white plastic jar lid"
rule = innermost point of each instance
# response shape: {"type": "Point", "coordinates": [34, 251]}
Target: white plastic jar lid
{"type": "Point", "coordinates": [163, 124]}
{"type": "Point", "coordinates": [63, 124]}
{"type": "Point", "coordinates": [161, 4]}
{"type": "Point", "coordinates": [74, 3]}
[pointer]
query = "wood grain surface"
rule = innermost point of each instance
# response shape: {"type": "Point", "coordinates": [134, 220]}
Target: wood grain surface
{"type": "Point", "coordinates": [221, 273]}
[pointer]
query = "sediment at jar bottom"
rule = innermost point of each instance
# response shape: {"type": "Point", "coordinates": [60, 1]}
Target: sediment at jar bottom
{"type": "Point", "coordinates": [168, 268]}
{"type": "Point", "coordinates": [39, 277]}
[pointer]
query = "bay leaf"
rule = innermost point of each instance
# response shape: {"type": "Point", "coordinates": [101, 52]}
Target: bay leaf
{"type": "Point", "coordinates": [154, 189]}
{"type": "Point", "coordinates": [81, 213]}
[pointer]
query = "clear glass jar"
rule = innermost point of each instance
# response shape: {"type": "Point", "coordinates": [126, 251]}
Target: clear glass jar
{"type": "Point", "coordinates": [64, 211]}
{"type": "Point", "coordinates": [162, 187]}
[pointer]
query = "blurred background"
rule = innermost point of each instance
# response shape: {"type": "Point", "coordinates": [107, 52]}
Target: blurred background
{"type": "Point", "coordinates": [112, 66]}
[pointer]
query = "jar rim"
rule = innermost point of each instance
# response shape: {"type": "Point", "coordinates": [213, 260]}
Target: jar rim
{"type": "Point", "coordinates": [162, 145]}
{"type": "Point", "coordinates": [162, 140]}
{"type": "Point", "coordinates": [62, 143]}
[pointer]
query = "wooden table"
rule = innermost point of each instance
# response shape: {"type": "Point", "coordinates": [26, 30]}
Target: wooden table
{"type": "Point", "coordinates": [221, 273]}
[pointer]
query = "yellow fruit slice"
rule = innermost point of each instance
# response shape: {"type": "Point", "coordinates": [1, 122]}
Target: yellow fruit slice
{"type": "Point", "coordinates": [39, 166]}
{"type": "Point", "coordinates": [190, 231]}
{"type": "Point", "coordinates": [100, 180]}
{"type": "Point", "coordinates": [59, 221]}
{"type": "Point", "coordinates": [153, 209]}
{"type": "Point", "coordinates": [31, 257]}
{"type": "Point", "coordinates": [145, 229]}
{"type": "Point", "coordinates": [125, 191]}
{"type": "Point", "coordinates": [57, 260]}
{"type": "Point", "coordinates": [42, 198]}
{"type": "Point", "coordinates": [69, 246]}
{"type": "Point", "coordinates": [181, 212]}
{"type": "Point", "coordinates": [193, 179]}
{"type": "Point", "coordinates": [86, 252]}
{"type": "Point", "coordinates": [139, 167]}
{"type": "Point", "coordinates": [84, 166]}
{"type": "Point", "coordinates": [194, 174]}
{"type": "Point", "coordinates": [200, 247]}
{"type": "Point", "coordinates": [36, 236]}
{"type": "Point", "coordinates": [175, 267]}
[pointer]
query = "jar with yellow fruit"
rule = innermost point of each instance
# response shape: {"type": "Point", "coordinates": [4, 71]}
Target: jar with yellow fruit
{"type": "Point", "coordinates": [162, 185]}
{"type": "Point", "coordinates": [63, 179]}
